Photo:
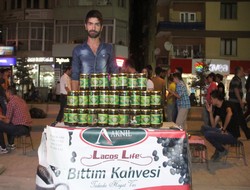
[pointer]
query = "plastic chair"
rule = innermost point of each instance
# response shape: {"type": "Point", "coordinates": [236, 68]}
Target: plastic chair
{"type": "Point", "coordinates": [199, 153]}
{"type": "Point", "coordinates": [22, 141]}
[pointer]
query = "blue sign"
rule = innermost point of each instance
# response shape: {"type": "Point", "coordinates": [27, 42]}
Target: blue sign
{"type": "Point", "coordinates": [7, 61]}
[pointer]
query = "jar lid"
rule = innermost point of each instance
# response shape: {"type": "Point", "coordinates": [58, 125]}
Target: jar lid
{"type": "Point", "coordinates": [155, 92]}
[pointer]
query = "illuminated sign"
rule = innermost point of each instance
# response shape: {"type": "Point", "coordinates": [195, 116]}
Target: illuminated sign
{"type": "Point", "coordinates": [221, 68]}
{"type": "Point", "coordinates": [62, 60]}
{"type": "Point", "coordinates": [39, 59]}
{"type": "Point", "coordinates": [6, 50]}
{"type": "Point", "coordinates": [198, 66]}
{"type": "Point", "coordinates": [119, 62]}
{"type": "Point", "coordinates": [7, 61]}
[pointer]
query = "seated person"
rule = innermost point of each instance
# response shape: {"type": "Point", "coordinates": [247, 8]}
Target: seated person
{"type": "Point", "coordinates": [16, 122]}
{"type": "Point", "coordinates": [229, 132]}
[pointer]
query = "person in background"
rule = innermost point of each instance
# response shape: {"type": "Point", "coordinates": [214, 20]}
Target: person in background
{"type": "Point", "coordinates": [150, 71]}
{"type": "Point", "coordinates": [159, 85]}
{"type": "Point", "coordinates": [65, 87]}
{"type": "Point", "coordinates": [229, 132]}
{"type": "Point", "coordinates": [150, 84]}
{"type": "Point", "coordinates": [128, 66]}
{"type": "Point", "coordinates": [3, 98]}
{"type": "Point", "coordinates": [183, 102]}
{"type": "Point", "coordinates": [220, 85]}
{"type": "Point", "coordinates": [57, 92]}
{"type": "Point", "coordinates": [6, 74]}
{"type": "Point", "coordinates": [247, 86]}
{"type": "Point", "coordinates": [235, 96]}
{"type": "Point", "coordinates": [93, 56]}
{"type": "Point", "coordinates": [171, 99]}
{"type": "Point", "coordinates": [16, 122]}
{"type": "Point", "coordinates": [175, 113]}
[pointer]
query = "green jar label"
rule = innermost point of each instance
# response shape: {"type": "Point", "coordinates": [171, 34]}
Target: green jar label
{"type": "Point", "coordinates": [94, 82]}
{"type": "Point", "coordinates": [156, 119]}
{"type": "Point", "coordinates": [114, 81]}
{"type": "Point", "coordinates": [124, 101]}
{"type": "Point", "coordinates": [123, 119]}
{"type": "Point", "coordinates": [102, 118]}
{"type": "Point", "coordinates": [132, 82]}
{"type": "Point", "coordinates": [103, 82]}
{"type": "Point", "coordinates": [92, 119]}
{"type": "Point", "coordinates": [145, 119]}
{"type": "Point", "coordinates": [93, 100]}
{"type": "Point", "coordinates": [123, 81]}
{"type": "Point", "coordinates": [72, 100]}
{"type": "Point", "coordinates": [114, 99]}
{"type": "Point", "coordinates": [113, 119]}
{"type": "Point", "coordinates": [145, 100]}
{"type": "Point", "coordinates": [83, 118]}
{"type": "Point", "coordinates": [135, 120]}
{"type": "Point", "coordinates": [84, 83]}
{"type": "Point", "coordinates": [142, 82]}
{"type": "Point", "coordinates": [104, 100]}
{"type": "Point", "coordinates": [135, 100]}
{"type": "Point", "coordinates": [83, 100]}
{"type": "Point", "coordinates": [72, 118]}
{"type": "Point", "coordinates": [65, 117]}
{"type": "Point", "coordinates": [155, 100]}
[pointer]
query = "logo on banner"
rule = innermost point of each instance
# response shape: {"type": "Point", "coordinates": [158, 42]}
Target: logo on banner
{"type": "Point", "coordinates": [111, 137]}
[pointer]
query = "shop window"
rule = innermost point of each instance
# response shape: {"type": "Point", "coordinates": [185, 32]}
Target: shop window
{"type": "Point", "coordinates": [46, 4]}
{"type": "Point", "coordinates": [187, 17]}
{"type": "Point", "coordinates": [122, 3]}
{"type": "Point", "coordinates": [228, 47]}
{"type": "Point", "coordinates": [228, 11]}
{"type": "Point", "coordinates": [36, 4]}
{"type": "Point", "coordinates": [28, 3]}
{"type": "Point", "coordinates": [13, 4]}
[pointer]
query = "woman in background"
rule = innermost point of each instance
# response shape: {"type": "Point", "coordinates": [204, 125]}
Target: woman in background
{"type": "Point", "coordinates": [150, 84]}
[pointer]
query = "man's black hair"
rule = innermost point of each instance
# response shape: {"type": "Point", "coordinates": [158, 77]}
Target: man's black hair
{"type": "Point", "coordinates": [237, 69]}
{"type": "Point", "coordinates": [219, 76]}
{"type": "Point", "coordinates": [217, 94]}
{"type": "Point", "coordinates": [158, 70]}
{"type": "Point", "coordinates": [177, 75]}
{"type": "Point", "coordinates": [94, 14]}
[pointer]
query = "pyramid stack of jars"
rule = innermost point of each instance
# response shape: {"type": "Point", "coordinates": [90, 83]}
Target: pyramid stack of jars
{"type": "Point", "coordinates": [115, 100]}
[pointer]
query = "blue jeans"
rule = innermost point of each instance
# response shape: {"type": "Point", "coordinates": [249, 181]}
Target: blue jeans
{"type": "Point", "coordinates": [218, 139]}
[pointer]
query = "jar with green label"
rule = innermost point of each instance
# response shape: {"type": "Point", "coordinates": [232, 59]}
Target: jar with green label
{"type": "Point", "coordinates": [103, 99]}
{"type": "Point", "coordinates": [124, 99]}
{"type": "Point", "coordinates": [113, 118]}
{"type": "Point", "coordinates": [142, 81]}
{"type": "Point", "coordinates": [156, 118]}
{"type": "Point", "coordinates": [135, 99]}
{"type": "Point", "coordinates": [123, 81]}
{"type": "Point", "coordinates": [82, 117]}
{"type": "Point", "coordinates": [72, 117]}
{"type": "Point", "coordinates": [83, 99]}
{"type": "Point", "coordinates": [93, 99]}
{"type": "Point", "coordinates": [155, 99]}
{"type": "Point", "coordinates": [84, 81]}
{"type": "Point", "coordinates": [72, 99]}
{"type": "Point", "coordinates": [114, 99]}
{"type": "Point", "coordinates": [135, 117]}
{"type": "Point", "coordinates": [145, 100]}
{"type": "Point", "coordinates": [124, 117]}
{"type": "Point", "coordinates": [132, 81]}
{"type": "Point", "coordinates": [145, 117]}
{"type": "Point", "coordinates": [66, 116]}
{"type": "Point", "coordinates": [103, 81]}
{"type": "Point", "coordinates": [94, 81]}
{"type": "Point", "coordinates": [92, 117]}
{"type": "Point", "coordinates": [102, 117]}
{"type": "Point", "coordinates": [114, 80]}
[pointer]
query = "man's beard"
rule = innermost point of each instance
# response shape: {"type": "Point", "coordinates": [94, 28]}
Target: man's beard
{"type": "Point", "coordinates": [94, 34]}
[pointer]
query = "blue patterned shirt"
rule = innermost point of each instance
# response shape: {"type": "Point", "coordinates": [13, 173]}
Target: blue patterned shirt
{"type": "Point", "coordinates": [181, 90]}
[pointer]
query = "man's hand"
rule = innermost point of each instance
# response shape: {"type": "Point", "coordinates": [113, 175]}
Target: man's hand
{"type": "Point", "coordinates": [209, 107]}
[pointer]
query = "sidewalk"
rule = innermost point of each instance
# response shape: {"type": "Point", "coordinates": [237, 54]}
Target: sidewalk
{"type": "Point", "coordinates": [20, 170]}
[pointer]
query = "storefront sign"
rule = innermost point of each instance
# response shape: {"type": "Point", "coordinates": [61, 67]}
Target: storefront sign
{"type": "Point", "coordinates": [39, 59]}
{"type": "Point", "coordinates": [7, 61]}
{"type": "Point", "coordinates": [113, 158]}
{"type": "Point", "coordinates": [62, 60]}
{"type": "Point", "coordinates": [6, 50]}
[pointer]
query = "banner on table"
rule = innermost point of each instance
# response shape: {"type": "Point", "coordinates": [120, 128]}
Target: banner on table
{"type": "Point", "coordinates": [113, 158]}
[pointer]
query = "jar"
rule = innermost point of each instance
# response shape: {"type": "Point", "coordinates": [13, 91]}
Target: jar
{"type": "Point", "coordinates": [124, 99]}
{"type": "Point", "coordinates": [93, 99]}
{"type": "Point", "coordinates": [114, 99]}
{"type": "Point", "coordinates": [142, 81]}
{"type": "Point", "coordinates": [135, 99]}
{"type": "Point", "coordinates": [82, 117]}
{"type": "Point", "coordinates": [155, 99]}
{"type": "Point", "coordinates": [72, 117]}
{"type": "Point", "coordinates": [145, 118]}
{"type": "Point", "coordinates": [135, 117]}
{"type": "Point", "coordinates": [145, 100]}
{"type": "Point", "coordinates": [83, 99]}
{"type": "Point", "coordinates": [132, 82]}
{"type": "Point", "coordinates": [103, 82]}
{"type": "Point", "coordinates": [103, 99]}
{"type": "Point", "coordinates": [94, 81]}
{"type": "Point", "coordinates": [156, 118]}
{"type": "Point", "coordinates": [72, 99]}
{"type": "Point", "coordinates": [114, 81]}
{"type": "Point", "coordinates": [122, 81]}
{"type": "Point", "coordinates": [113, 118]}
{"type": "Point", "coordinates": [124, 117]}
{"type": "Point", "coordinates": [66, 116]}
{"type": "Point", "coordinates": [92, 117]}
{"type": "Point", "coordinates": [102, 118]}
{"type": "Point", "coordinates": [84, 81]}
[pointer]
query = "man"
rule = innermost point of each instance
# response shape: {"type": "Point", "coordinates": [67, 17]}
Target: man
{"type": "Point", "coordinates": [235, 96]}
{"type": "Point", "coordinates": [93, 56]}
{"type": "Point", "coordinates": [65, 87]}
{"type": "Point", "coordinates": [16, 122]}
{"type": "Point", "coordinates": [229, 132]}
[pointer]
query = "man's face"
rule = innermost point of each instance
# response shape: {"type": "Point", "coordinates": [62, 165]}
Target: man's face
{"type": "Point", "coordinates": [93, 27]}
{"type": "Point", "coordinates": [213, 101]}
{"type": "Point", "coordinates": [241, 72]}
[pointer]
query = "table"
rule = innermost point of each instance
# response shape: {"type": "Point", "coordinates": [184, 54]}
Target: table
{"type": "Point", "coordinates": [113, 158]}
